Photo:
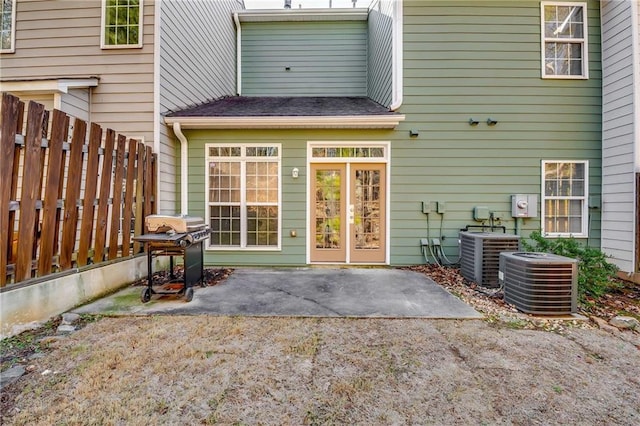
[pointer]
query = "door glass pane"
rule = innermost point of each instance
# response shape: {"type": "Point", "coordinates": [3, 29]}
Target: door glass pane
{"type": "Point", "coordinates": [367, 209]}
{"type": "Point", "coordinates": [327, 205]}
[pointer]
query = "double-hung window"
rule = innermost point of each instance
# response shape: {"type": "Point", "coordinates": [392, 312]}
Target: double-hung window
{"type": "Point", "coordinates": [7, 26]}
{"type": "Point", "coordinates": [564, 40]}
{"type": "Point", "coordinates": [564, 201]}
{"type": "Point", "coordinates": [121, 23]}
{"type": "Point", "coordinates": [243, 196]}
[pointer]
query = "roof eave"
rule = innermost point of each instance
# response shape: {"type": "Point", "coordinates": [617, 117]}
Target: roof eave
{"type": "Point", "coordinates": [301, 15]}
{"type": "Point", "coordinates": [290, 122]}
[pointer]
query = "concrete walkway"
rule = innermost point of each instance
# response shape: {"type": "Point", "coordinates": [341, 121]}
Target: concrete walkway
{"type": "Point", "coordinates": [304, 292]}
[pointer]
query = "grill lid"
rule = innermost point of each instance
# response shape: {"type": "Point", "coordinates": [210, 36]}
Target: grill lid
{"type": "Point", "coordinates": [158, 223]}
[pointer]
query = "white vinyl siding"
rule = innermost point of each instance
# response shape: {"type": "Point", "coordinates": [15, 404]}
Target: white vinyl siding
{"type": "Point", "coordinates": [619, 134]}
{"type": "Point", "coordinates": [7, 26]}
{"type": "Point", "coordinates": [188, 76]}
{"type": "Point", "coordinates": [380, 54]}
{"type": "Point", "coordinates": [564, 198]}
{"type": "Point", "coordinates": [76, 103]}
{"type": "Point", "coordinates": [564, 40]}
{"type": "Point", "coordinates": [121, 24]}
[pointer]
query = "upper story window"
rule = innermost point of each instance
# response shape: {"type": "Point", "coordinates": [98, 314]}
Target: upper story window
{"type": "Point", "coordinates": [8, 26]}
{"type": "Point", "coordinates": [121, 23]}
{"type": "Point", "coordinates": [564, 198]}
{"type": "Point", "coordinates": [564, 40]}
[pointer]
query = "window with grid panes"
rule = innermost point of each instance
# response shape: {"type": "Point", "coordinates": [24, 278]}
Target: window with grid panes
{"type": "Point", "coordinates": [121, 23]}
{"type": "Point", "coordinates": [7, 26]}
{"type": "Point", "coordinates": [565, 198]}
{"type": "Point", "coordinates": [564, 40]}
{"type": "Point", "coordinates": [243, 196]}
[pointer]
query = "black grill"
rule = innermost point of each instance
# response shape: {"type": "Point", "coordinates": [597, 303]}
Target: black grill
{"type": "Point", "coordinates": [166, 242]}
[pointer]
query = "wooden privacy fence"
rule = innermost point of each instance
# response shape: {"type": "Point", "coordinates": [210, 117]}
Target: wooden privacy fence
{"type": "Point", "coordinates": [65, 203]}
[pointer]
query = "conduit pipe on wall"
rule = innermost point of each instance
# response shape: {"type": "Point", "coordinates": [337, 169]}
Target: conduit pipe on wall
{"type": "Point", "coordinates": [184, 168]}
{"type": "Point", "coordinates": [397, 56]}
{"type": "Point", "coordinates": [238, 54]}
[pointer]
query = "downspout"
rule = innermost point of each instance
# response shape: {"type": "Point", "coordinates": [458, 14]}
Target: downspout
{"type": "Point", "coordinates": [157, 147]}
{"type": "Point", "coordinates": [396, 55]}
{"type": "Point", "coordinates": [184, 168]}
{"type": "Point", "coordinates": [236, 19]}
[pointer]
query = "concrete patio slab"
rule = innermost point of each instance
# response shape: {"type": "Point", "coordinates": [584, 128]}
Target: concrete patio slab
{"type": "Point", "coordinates": [302, 292]}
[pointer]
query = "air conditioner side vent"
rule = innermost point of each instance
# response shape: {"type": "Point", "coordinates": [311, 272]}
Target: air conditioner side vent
{"type": "Point", "coordinates": [480, 255]}
{"type": "Point", "coordinates": [539, 283]}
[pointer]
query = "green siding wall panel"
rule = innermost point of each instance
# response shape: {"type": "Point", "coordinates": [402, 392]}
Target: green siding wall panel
{"type": "Point", "coordinates": [476, 59]}
{"type": "Point", "coordinates": [324, 58]}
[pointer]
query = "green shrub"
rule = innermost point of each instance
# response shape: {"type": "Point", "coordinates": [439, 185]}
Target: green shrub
{"type": "Point", "coordinates": [595, 274]}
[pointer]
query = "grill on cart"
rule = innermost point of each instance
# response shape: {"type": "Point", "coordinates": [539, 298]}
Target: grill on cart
{"type": "Point", "coordinates": [175, 236]}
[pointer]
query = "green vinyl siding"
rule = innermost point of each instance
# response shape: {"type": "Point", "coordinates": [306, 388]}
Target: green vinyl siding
{"type": "Point", "coordinates": [462, 60]}
{"type": "Point", "coordinates": [481, 59]}
{"type": "Point", "coordinates": [323, 58]}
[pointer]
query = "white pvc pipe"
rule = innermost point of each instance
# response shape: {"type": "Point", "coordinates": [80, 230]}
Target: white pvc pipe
{"type": "Point", "coordinates": [238, 54]}
{"type": "Point", "coordinates": [397, 56]}
{"type": "Point", "coordinates": [184, 168]}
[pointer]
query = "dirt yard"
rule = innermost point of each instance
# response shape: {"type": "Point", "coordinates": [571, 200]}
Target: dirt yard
{"type": "Point", "coordinates": [507, 369]}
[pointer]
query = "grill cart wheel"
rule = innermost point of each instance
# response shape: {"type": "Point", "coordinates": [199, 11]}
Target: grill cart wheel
{"type": "Point", "coordinates": [188, 295]}
{"type": "Point", "coordinates": [145, 296]}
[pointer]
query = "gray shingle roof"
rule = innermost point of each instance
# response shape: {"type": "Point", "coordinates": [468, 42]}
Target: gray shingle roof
{"type": "Point", "coordinates": [263, 106]}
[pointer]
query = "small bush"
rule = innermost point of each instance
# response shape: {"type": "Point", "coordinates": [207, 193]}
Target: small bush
{"type": "Point", "coordinates": [595, 274]}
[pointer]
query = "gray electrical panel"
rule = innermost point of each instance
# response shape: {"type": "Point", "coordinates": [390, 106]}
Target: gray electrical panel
{"type": "Point", "coordinates": [524, 205]}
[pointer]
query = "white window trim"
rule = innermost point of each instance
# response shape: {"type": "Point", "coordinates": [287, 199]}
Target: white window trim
{"type": "Point", "coordinates": [584, 41]}
{"type": "Point", "coordinates": [103, 45]}
{"type": "Point", "coordinates": [585, 205]}
{"type": "Point", "coordinates": [386, 159]}
{"type": "Point", "coordinates": [12, 49]}
{"type": "Point", "coordinates": [243, 202]}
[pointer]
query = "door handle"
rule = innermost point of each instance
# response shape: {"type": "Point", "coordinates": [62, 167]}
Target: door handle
{"type": "Point", "coordinates": [351, 214]}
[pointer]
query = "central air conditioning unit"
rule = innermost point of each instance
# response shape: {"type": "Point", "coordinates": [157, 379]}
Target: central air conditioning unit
{"type": "Point", "coordinates": [540, 283]}
{"type": "Point", "coordinates": [480, 255]}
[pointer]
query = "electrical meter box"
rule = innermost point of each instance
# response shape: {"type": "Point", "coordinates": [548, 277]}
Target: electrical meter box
{"type": "Point", "coordinates": [524, 205]}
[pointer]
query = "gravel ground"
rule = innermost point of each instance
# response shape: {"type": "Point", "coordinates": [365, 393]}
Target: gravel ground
{"type": "Point", "coordinates": [507, 369]}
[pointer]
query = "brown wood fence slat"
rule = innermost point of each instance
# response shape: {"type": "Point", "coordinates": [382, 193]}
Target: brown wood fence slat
{"type": "Point", "coordinates": [30, 186]}
{"type": "Point", "coordinates": [138, 224]}
{"type": "Point", "coordinates": [117, 197]}
{"type": "Point", "coordinates": [154, 186]}
{"type": "Point", "coordinates": [91, 184]}
{"type": "Point", "coordinates": [58, 221]}
{"type": "Point", "coordinates": [50, 208]}
{"type": "Point", "coordinates": [128, 198]}
{"type": "Point", "coordinates": [10, 111]}
{"type": "Point", "coordinates": [74, 179]}
{"type": "Point", "coordinates": [14, 186]}
{"type": "Point", "coordinates": [45, 182]}
{"type": "Point", "coordinates": [103, 201]}
{"type": "Point", "coordinates": [148, 177]}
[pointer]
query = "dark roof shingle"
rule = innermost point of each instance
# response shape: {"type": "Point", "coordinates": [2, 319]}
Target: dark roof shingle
{"type": "Point", "coordinates": [268, 106]}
